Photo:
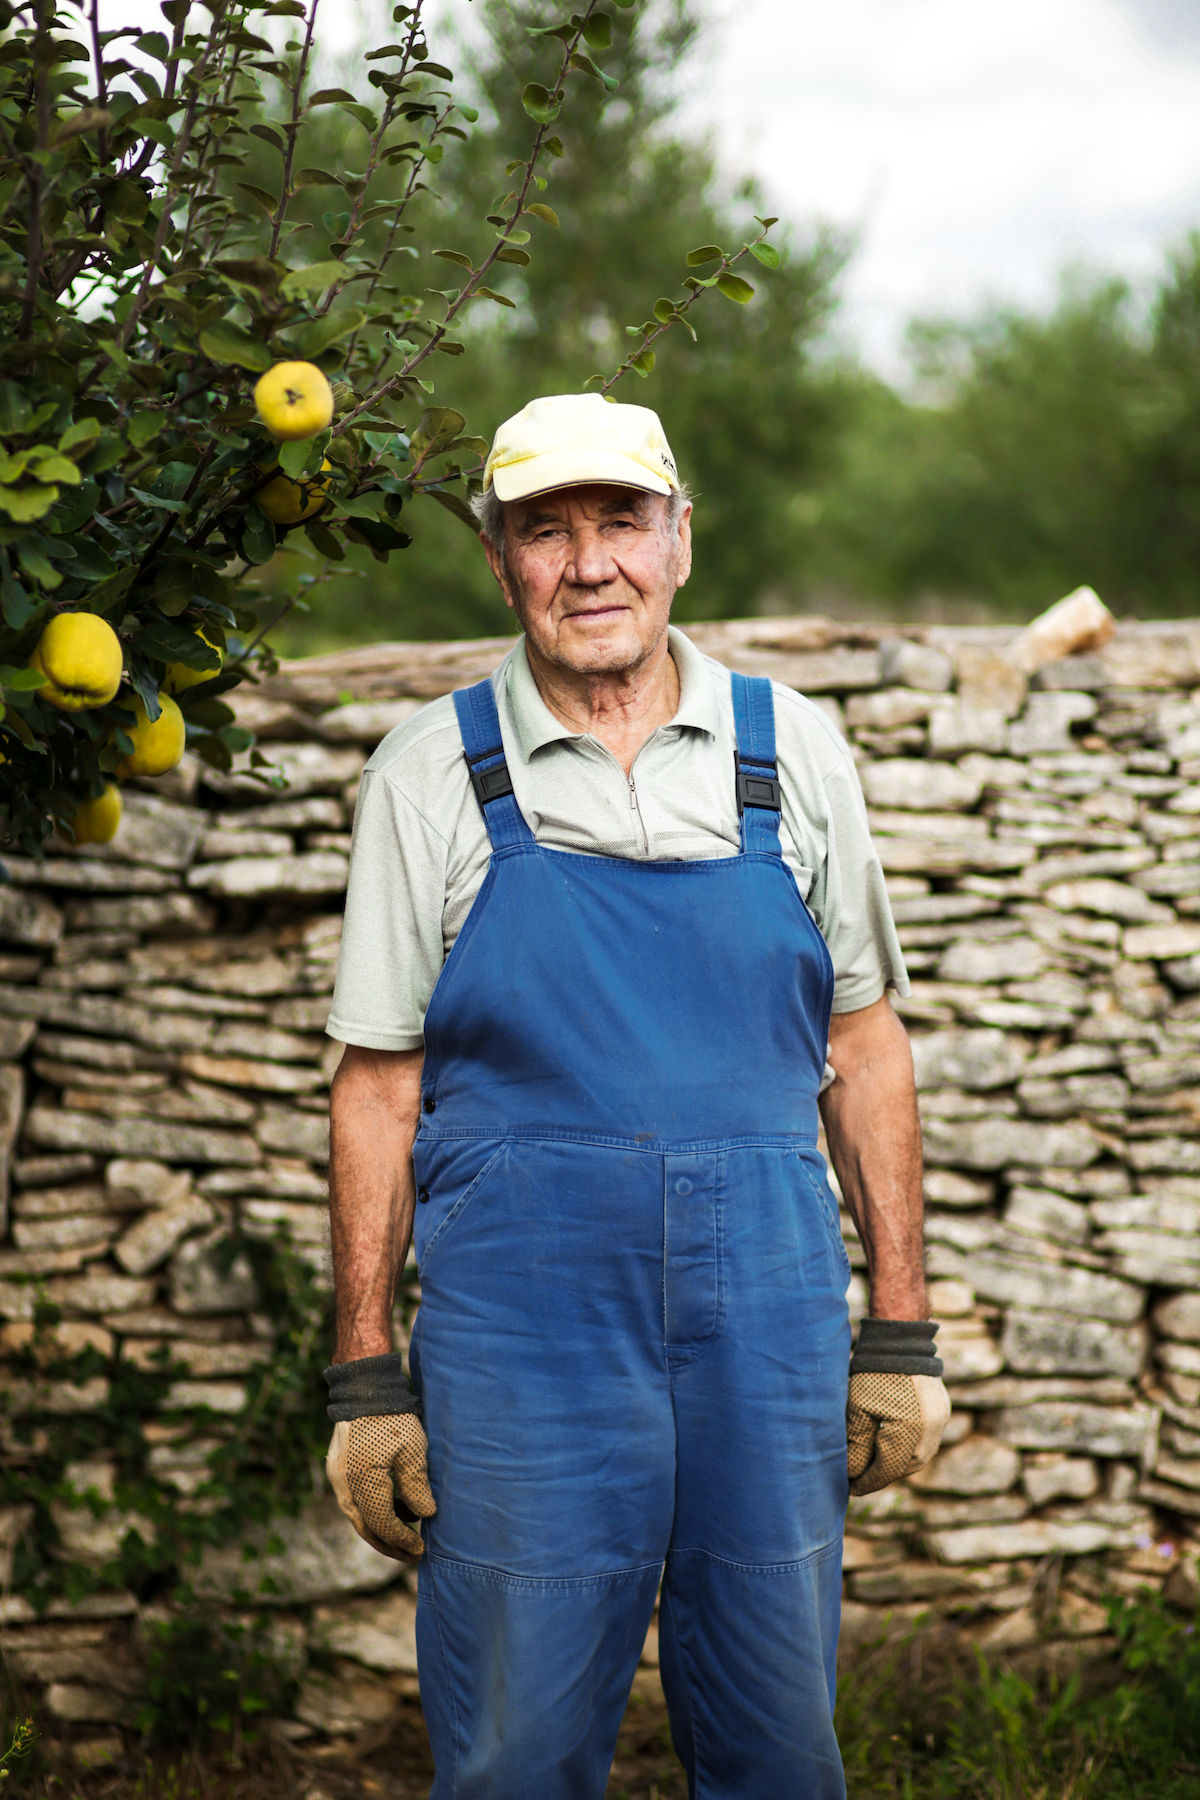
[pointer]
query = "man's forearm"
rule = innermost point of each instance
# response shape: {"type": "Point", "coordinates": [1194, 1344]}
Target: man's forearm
{"type": "Point", "coordinates": [874, 1135]}
{"type": "Point", "coordinates": [374, 1110]}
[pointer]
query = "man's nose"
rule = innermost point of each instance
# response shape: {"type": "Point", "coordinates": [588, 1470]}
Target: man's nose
{"type": "Point", "coordinates": [590, 563]}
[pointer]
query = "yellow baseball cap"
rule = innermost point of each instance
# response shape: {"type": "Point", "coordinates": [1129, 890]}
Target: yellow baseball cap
{"type": "Point", "coordinates": [566, 440]}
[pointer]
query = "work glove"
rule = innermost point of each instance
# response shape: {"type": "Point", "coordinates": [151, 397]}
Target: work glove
{"type": "Point", "coordinates": [898, 1407]}
{"type": "Point", "coordinates": [376, 1461]}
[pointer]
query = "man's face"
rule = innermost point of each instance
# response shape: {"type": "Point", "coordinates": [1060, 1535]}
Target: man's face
{"type": "Point", "coordinates": [591, 573]}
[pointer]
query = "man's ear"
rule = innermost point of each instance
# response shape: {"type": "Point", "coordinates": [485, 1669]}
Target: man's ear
{"type": "Point", "coordinates": [499, 568]}
{"type": "Point", "coordinates": [684, 568]}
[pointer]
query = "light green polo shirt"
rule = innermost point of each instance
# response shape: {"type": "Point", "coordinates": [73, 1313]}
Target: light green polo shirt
{"type": "Point", "coordinates": [420, 849]}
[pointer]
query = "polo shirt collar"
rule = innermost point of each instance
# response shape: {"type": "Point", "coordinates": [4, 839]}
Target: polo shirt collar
{"type": "Point", "coordinates": [535, 725]}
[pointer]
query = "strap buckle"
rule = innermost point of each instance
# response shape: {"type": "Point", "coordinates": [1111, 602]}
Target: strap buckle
{"type": "Point", "coordinates": [758, 789]}
{"type": "Point", "coordinates": [489, 784]}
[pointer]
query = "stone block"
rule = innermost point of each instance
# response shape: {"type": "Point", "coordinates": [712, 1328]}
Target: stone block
{"type": "Point", "coordinates": [1074, 1094]}
{"type": "Point", "coordinates": [272, 877]}
{"type": "Point", "coordinates": [1079, 623]}
{"type": "Point", "coordinates": [152, 831]}
{"type": "Point", "coordinates": [979, 1465]}
{"type": "Point", "coordinates": [322, 1558]}
{"type": "Point", "coordinates": [79, 1705]}
{"type": "Point", "coordinates": [1048, 1477]}
{"type": "Point", "coordinates": [307, 768]}
{"type": "Point", "coordinates": [85, 1537]}
{"type": "Point", "coordinates": [1005, 1143]}
{"type": "Point", "coordinates": [1184, 1359]}
{"type": "Point", "coordinates": [967, 1351]}
{"type": "Point", "coordinates": [87, 874]}
{"type": "Point", "coordinates": [1179, 1317]}
{"type": "Point", "coordinates": [280, 1178]}
{"type": "Point", "coordinates": [364, 721]}
{"type": "Point", "coordinates": [312, 814]}
{"type": "Point", "coordinates": [343, 1700]}
{"type": "Point", "coordinates": [946, 1187]}
{"type": "Point", "coordinates": [269, 1043]}
{"type": "Point", "coordinates": [228, 1397]}
{"type": "Point", "coordinates": [1029, 1538]}
{"type": "Point", "coordinates": [976, 1060]}
{"type": "Point", "coordinates": [1047, 1343]}
{"type": "Point", "coordinates": [247, 1072]}
{"type": "Point", "coordinates": [951, 856]}
{"type": "Point", "coordinates": [1166, 1155]}
{"type": "Point", "coordinates": [913, 665]}
{"type": "Point", "coordinates": [138, 1137]}
{"type": "Point", "coordinates": [1043, 1214]}
{"type": "Point", "coordinates": [181, 915]}
{"type": "Point", "coordinates": [149, 1243]}
{"type": "Point", "coordinates": [990, 681]}
{"type": "Point", "coordinates": [1078, 1426]}
{"type": "Point", "coordinates": [1111, 899]}
{"type": "Point", "coordinates": [28, 918]}
{"type": "Point", "coordinates": [216, 845]}
{"type": "Point", "coordinates": [97, 1230]}
{"type": "Point", "coordinates": [379, 1631]}
{"type": "Point", "coordinates": [207, 1277]}
{"type": "Point", "coordinates": [1009, 959]}
{"type": "Point", "coordinates": [1051, 1287]}
{"type": "Point", "coordinates": [956, 726]}
{"type": "Point", "coordinates": [294, 1133]}
{"type": "Point", "coordinates": [101, 1290]}
{"type": "Point", "coordinates": [920, 786]}
{"type": "Point", "coordinates": [301, 1222]}
{"type": "Point", "coordinates": [1044, 728]}
{"type": "Point", "coordinates": [1161, 943]}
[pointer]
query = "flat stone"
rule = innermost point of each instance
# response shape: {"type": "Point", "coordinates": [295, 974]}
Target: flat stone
{"type": "Point", "coordinates": [380, 1632]}
{"type": "Point", "coordinates": [62, 1399]}
{"type": "Point", "coordinates": [100, 1290]}
{"type": "Point", "coordinates": [910, 1581]}
{"type": "Point", "coordinates": [152, 831]}
{"type": "Point", "coordinates": [1029, 1538]}
{"type": "Point", "coordinates": [1074, 1094]}
{"type": "Point", "coordinates": [204, 1279]}
{"type": "Point", "coordinates": [215, 845]}
{"type": "Point", "coordinates": [1051, 1287]}
{"type": "Point", "coordinates": [307, 769]}
{"type": "Point", "coordinates": [181, 915]}
{"type": "Point", "coordinates": [1179, 1317]}
{"type": "Point", "coordinates": [149, 1243]}
{"type": "Point", "coordinates": [1049, 1215]}
{"type": "Point", "coordinates": [1170, 1499]}
{"type": "Point", "coordinates": [260, 978]}
{"type": "Point", "coordinates": [921, 909]}
{"type": "Point", "coordinates": [228, 1397]}
{"type": "Point", "coordinates": [308, 1012]}
{"type": "Point", "coordinates": [1044, 727]}
{"type": "Point", "coordinates": [303, 1222]}
{"type": "Point", "coordinates": [1184, 1359]}
{"type": "Point", "coordinates": [1184, 973]}
{"type": "Point", "coordinates": [322, 1557]}
{"type": "Point", "coordinates": [976, 1060]}
{"type": "Point", "coordinates": [92, 1229]}
{"type": "Point", "coordinates": [244, 1072]}
{"type": "Point", "coordinates": [294, 1133]}
{"type": "Point", "coordinates": [1161, 942]}
{"type": "Point", "coordinates": [1087, 865]}
{"type": "Point", "coordinates": [1172, 1155]}
{"type": "Point", "coordinates": [920, 786]}
{"type": "Point", "coordinates": [1010, 959]}
{"type": "Point", "coordinates": [1154, 1258]}
{"type": "Point", "coordinates": [1066, 1425]}
{"type": "Point", "coordinates": [364, 721]}
{"type": "Point", "coordinates": [989, 681]}
{"type": "Point", "coordinates": [939, 825]}
{"type": "Point", "coordinates": [955, 726]}
{"type": "Point", "coordinates": [16, 1035]}
{"type": "Point", "coordinates": [343, 1701]}
{"type": "Point", "coordinates": [88, 1705]}
{"type": "Point", "coordinates": [1045, 1343]}
{"type": "Point", "coordinates": [262, 877]}
{"type": "Point", "coordinates": [951, 856]}
{"type": "Point", "coordinates": [276, 1179]}
{"type": "Point", "coordinates": [138, 1137]}
{"type": "Point", "coordinates": [979, 1465]}
{"type": "Point", "coordinates": [89, 874]}
{"type": "Point", "coordinates": [946, 1187]}
{"type": "Point", "coordinates": [913, 665]}
{"type": "Point", "coordinates": [270, 1043]}
{"type": "Point", "coordinates": [1153, 656]}
{"type": "Point", "coordinates": [1002, 1143]}
{"type": "Point", "coordinates": [1062, 1478]}
{"type": "Point", "coordinates": [28, 918]}
{"type": "Point", "coordinates": [1111, 899]}
{"type": "Point", "coordinates": [146, 1183]}
{"type": "Point", "coordinates": [313, 814]}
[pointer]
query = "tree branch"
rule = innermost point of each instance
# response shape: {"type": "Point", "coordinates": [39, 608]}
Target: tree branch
{"type": "Point", "coordinates": [33, 254]}
{"type": "Point", "coordinates": [289, 157]}
{"type": "Point", "coordinates": [101, 84]}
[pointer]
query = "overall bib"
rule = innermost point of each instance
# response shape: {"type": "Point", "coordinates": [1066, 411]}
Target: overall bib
{"type": "Point", "coordinates": [632, 1342]}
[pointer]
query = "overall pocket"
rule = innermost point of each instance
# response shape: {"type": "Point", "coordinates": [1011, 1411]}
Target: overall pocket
{"type": "Point", "coordinates": [451, 1173]}
{"type": "Point", "coordinates": [814, 1179]}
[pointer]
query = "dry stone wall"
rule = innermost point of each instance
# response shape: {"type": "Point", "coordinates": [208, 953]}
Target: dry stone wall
{"type": "Point", "coordinates": [163, 1091]}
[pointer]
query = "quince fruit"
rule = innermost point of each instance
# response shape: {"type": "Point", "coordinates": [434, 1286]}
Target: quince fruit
{"type": "Point", "coordinates": [80, 655]}
{"type": "Point", "coordinates": [95, 821]}
{"type": "Point", "coordinates": [294, 400]}
{"type": "Point", "coordinates": [288, 502]}
{"type": "Point", "coordinates": [179, 676]}
{"type": "Point", "coordinates": [157, 747]}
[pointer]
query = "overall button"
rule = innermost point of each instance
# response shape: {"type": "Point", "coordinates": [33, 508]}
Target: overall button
{"type": "Point", "coordinates": [422, 1195]}
{"type": "Point", "coordinates": [430, 1104]}
{"type": "Point", "coordinates": [683, 1187]}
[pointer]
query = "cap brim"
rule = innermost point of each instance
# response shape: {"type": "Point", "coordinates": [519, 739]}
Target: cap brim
{"type": "Point", "coordinates": [574, 468]}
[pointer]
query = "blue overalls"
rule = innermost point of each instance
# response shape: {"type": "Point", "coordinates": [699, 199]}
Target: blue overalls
{"type": "Point", "coordinates": [633, 1340]}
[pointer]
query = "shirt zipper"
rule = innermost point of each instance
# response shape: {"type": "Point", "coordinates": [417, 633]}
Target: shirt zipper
{"type": "Point", "coordinates": [633, 802]}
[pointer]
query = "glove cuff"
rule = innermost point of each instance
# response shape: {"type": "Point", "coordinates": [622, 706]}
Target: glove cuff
{"type": "Point", "coordinates": [372, 1387]}
{"type": "Point", "coordinates": [896, 1347]}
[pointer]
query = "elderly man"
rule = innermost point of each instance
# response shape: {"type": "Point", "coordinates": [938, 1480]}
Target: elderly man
{"type": "Point", "coordinates": [609, 913]}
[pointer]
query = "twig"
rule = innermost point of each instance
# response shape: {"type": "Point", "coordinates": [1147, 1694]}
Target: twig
{"type": "Point", "coordinates": [476, 278]}
{"type": "Point", "coordinates": [684, 306]}
{"type": "Point", "coordinates": [101, 84]}
{"type": "Point", "coordinates": [33, 256]}
{"type": "Point", "coordinates": [289, 157]}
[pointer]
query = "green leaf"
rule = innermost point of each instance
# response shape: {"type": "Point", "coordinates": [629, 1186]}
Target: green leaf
{"type": "Point", "coordinates": [327, 96]}
{"type": "Point", "coordinates": [664, 310]}
{"type": "Point", "coordinates": [546, 213]}
{"type": "Point", "coordinates": [766, 254]}
{"type": "Point", "coordinates": [56, 468]}
{"type": "Point", "coordinates": [314, 178]}
{"type": "Point", "coordinates": [765, 223]}
{"type": "Point", "coordinates": [362, 506]}
{"type": "Point", "coordinates": [510, 254]}
{"type": "Point", "coordinates": [226, 342]}
{"type": "Point", "coordinates": [437, 427]}
{"type": "Point", "coordinates": [364, 115]}
{"type": "Point", "coordinates": [597, 31]}
{"type": "Point", "coordinates": [469, 113]}
{"type": "Point", "coordinates": [324, 541]}
{"type": "Point", "coordinates": [17, 606]}
{"type": "Point", "coordinates": [169, 642]}
{"type": "Point", "coordinates": [173, 587]}
{"type": "Point", "coordinates": [643, 363]}
{"type": "Point", "coordinates": [554, 145]}
{"type": "Point", "coordinates": [456, 256]}
{"type": "Point", "coordinates": [313, 279]}
{"type": "Point", "coordinates": [513, 237]}
{"type": "Point", "coordinates": [541, 106]}
{"type": "Point", "coordinates": [379, 536]}
{"type": "Point", "coordinates": [21, 679]}
{"type": "Point", "coordinates": [580, 61]}
{"type": "Point", "coordinates": [318, 334]}
{"type": "Point", "coordinates": [26, 504]}
{"type": "Point", "coordinates": [487, 293]}
{"type": "Point", "coordinates": [84, 431]}
{"type": "Point", "coordinates": [706, 253]}
{"type": "Point", "coordinates": [144, 426]}
{"type": "Point", "coordinates": [268, 202]}
{"type": "Point", "coordinates": [295, 457]}
{"type": "Point", "coordinates": [211, 714]}
{"type": "Point", "coordinates": [258, 536]}
{"type": "Point", "coordinates": [734, 288]}
{"type": "Point", "coordinates": [455, 504]}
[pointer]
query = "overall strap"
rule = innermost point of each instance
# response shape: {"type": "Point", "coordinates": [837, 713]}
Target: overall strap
{"type": "Point", "coordinates": [483, 748]}
{"type": "Point", "coordinates": [758, 792]}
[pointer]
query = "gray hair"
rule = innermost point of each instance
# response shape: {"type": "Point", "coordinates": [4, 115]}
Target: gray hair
{"type": "Point", "coordinates": [489, 511]}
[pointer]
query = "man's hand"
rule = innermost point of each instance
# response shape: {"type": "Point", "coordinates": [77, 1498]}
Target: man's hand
{"type": "Point", "coordinates": [898, 1407]}
{"type": "Point", "coordinates": [372, 1463]}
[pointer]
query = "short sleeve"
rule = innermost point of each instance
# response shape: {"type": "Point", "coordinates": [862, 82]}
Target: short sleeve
{"type": "Point", "coordinates": [850, 903]}
{"type": "Point", "coordinates": [392, 949]}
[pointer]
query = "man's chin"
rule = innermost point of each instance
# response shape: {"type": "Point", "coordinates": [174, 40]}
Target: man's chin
{"type": "Point", "coordinates": [598, 646]}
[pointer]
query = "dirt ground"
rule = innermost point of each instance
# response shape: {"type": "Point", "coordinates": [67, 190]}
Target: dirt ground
{"type": "Point", "coordinates": [392, 1762]}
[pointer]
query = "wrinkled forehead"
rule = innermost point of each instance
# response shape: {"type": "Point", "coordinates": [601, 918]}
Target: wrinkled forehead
{"type": "Point", "coordinates": [596, 500]}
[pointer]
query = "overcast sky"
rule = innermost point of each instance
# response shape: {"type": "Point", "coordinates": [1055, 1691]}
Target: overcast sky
{"type": "Point", "coordinates": [974, 149]}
